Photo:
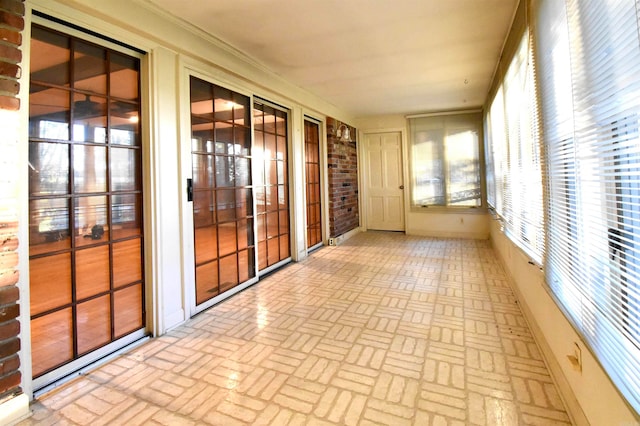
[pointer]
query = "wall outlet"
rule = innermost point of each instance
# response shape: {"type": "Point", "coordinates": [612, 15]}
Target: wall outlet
{"type": "Point", "coordinates": [332, 242]}
{"type": "Point", "coordinates": [576, 358]}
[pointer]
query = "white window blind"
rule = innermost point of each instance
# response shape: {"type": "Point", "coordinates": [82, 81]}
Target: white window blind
{"type": "Point", "coordinates": [489, 165]}
{"type": "Point", "coordinates": [516, 160]}
{"type": "Point", "coordinates": [499, 150]}
{"type": "Point", "coordinates": [589, 56]}
{"type": "Point", "coordinates": [445, 160]}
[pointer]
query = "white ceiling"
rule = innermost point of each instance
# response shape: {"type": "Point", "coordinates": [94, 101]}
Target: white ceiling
{"type": "Point", "coordinates": [367, 57]}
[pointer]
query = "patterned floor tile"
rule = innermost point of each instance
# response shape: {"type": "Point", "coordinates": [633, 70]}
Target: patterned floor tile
{"type": "Point", "coordinates": [385, 329]}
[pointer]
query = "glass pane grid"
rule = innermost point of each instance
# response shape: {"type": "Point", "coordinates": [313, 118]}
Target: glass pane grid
{"type": "Point", "coordinates": [312, 175]}
{"type": "Point", "coordinates": [272, 196]}
{"type": "Point", "coordinates": [77, 220]}
{"type": "Point", "coordinates": [221, 170]}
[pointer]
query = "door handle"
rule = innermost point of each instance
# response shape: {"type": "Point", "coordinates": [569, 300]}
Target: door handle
{"type": "Point", "coordinates": [189, 189]}
{"type": "Point", "coordinates": [401, 186]}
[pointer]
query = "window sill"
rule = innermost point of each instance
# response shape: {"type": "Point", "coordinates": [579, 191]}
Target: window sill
{"type": "Point", "coordinates": [448, 210]}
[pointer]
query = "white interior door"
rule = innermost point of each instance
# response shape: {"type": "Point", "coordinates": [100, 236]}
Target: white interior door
{"type": "Point", "coordinates": [384, 183]}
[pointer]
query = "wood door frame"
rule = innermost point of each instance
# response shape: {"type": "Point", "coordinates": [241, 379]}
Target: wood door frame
{"type": "Point", "coordinates": [363, 175]}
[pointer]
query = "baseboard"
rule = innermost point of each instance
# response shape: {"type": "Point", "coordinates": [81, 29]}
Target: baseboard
{"type": "Point", "coordinates": [335, 241]}
{"type": "Point", "coordinates": [449, 234]}
{"type": "Point", "coordinates": [14, 410]}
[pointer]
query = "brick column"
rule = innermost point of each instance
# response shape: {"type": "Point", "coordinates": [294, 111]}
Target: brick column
{"type": "Point", "coordinates": [11, 26]}
{"type": "Point", "coordinates": [344, 214]}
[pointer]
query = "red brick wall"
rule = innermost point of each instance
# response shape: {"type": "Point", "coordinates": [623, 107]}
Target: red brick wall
{"type": "Point", "coordinates": [344, 213]}
{"type": "Point", "coordinates": [11, 26]}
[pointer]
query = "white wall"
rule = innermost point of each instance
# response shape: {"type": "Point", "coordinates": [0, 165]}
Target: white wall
{"type": "Point", "coordinates": [589, 395]}
{"type": "Point", "coordinates": [432, 222]}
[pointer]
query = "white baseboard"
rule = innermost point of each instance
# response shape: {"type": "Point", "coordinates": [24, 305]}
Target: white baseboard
{"type": "Point", "coordinates": [14, 410]}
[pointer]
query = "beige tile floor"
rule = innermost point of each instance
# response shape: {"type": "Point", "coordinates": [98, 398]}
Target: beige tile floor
{"type": "Point", "coordinates": [384, 329]}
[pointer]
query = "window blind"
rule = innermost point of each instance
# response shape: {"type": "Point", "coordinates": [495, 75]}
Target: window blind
{"type": "Point", "coordinates": [445, 160]}
{"type": "Point", "coordinates": [589, 56]}
{"type": "Point", "coordinates": [515, 144]}
{"type": "Point", "coordinates": [499, 152]}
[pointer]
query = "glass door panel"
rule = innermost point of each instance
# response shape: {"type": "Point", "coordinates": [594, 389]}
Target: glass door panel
{"type": "Point", "coordinates": [312, 160]}
{"type": "Point", "coordinates": [85, 199]}
{"type": "Point", "coordinates": [272, 183]}
{"type": "Point", "coordinates": [222, 189]}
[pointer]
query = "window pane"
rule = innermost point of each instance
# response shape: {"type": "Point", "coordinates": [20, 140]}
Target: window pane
{"type": "Point", "coordinates": [243, 172]}
{"type": "Point", "coordinates": [94, 323]}
{"type": "Point", "coordinates": [51, 341]}
{"type": "Point", "coordinates": [273, 250]}
{"type": "Point", "coordinates": [90, 67]}
{"type": "Point", "coordinates": [206, 281]}
{"type": "Point", "coordinates": [228, 272]}
{"type": "Point", "coordinates": [206, 244]}
{"type": "Point", "coordinates": [126, 215]}
{"type": "Point", "coordinates": [428, 160]}
{"type": "Point", "coordinates": [128, 315]}
{"type": "Point", "coordinates": [48, 169]}
{"type": "Point", "coordinates": [245, 232]}
{"type": "Point", "coordinates": [125, 126]}
{"type": "Point", "coordinates": [48, 113]}
{"type": "Point", "coordinates": [240, 110]}
{"type": "Point", "coordinates": [227, 242]}
{"type": "Point", "coordinates": [92, 271]}
{"type": "Point", "coordinates": [124, 76]}
{"type": "Point", "coordinates": [48, 225]}
{"type": "Point", "coordinates": [445, 160]}
{"type": "Point", "coordinates": [52, 68]}
{"type": "Point", "coordinates": [49, 282]}
{"type": "Point", "coordinates": [244, 204]}
{"type": "Point", "coordinates": [124, 172]}
{"type": "Point", "coordinates": [225, 171]}
{"type": "Point", "coordinates": [284, 246]}
{"type": "Point", "coordinates": [225, 205]}
{"type": "Point", "coordinates": [90, 220]}
{"type": "Point", "coordinates": [223, 104]}
{"type": "Point", "coordinates": [245, 263]}
{"type": "Point", "coordinates": [281, 123]}
{"type": "Point", "coordinates": [127, 262]}
{"type": "Point", "coordinates": [89, 118]}
{"type": "Point", "coordinates": [89, 169]}
{"type": "Point", "coordinates": [203, 208]}
{"type": "Point", "coordinates": [464, 172]}
{"type": "Point", "coordinates": [242, 141]}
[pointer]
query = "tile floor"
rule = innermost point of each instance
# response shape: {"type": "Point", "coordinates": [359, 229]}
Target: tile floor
{"type": "Point", "coordinates": [383, 329]}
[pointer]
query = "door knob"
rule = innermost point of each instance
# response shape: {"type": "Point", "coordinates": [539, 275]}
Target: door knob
{"type": "Point", "coordinates": [401, 186]}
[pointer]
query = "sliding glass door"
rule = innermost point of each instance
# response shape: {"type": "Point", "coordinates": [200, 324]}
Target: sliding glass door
{"type": "Point", "coordinates": [85, 200]}
{"type": "Point", "coordinates": [223, 218]}
{"type": "Point", "coordinates": [312, 174]}
{"type": "Point", "coordinates": [271, 184]}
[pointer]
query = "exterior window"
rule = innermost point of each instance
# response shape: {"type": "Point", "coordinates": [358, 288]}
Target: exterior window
{"type": "Point", "coordinates": [514, 166]}
{"type": "Point", "coordinates": [589, 91]}
{"type": "Point", "coordinates": [445, 160]}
